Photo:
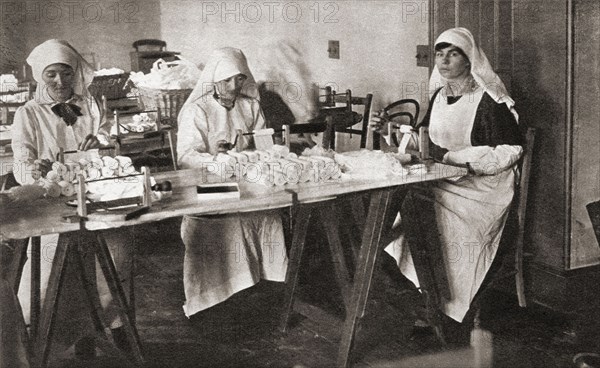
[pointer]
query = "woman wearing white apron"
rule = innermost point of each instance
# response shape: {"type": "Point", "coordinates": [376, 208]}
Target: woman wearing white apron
{"type": "Point", "coordinates": [229, 253]}
{"type": "Point", "coordinates": [471, 121]}
{"type": "Point", "coordinates": [63, 114]}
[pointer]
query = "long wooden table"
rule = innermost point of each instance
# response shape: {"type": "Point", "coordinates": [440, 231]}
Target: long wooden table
{"type": "Point", "coordinates": [47, 217]}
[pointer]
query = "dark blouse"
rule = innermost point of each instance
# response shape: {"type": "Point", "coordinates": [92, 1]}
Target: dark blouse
{"type": "Point", "coordinates": [494, 124]}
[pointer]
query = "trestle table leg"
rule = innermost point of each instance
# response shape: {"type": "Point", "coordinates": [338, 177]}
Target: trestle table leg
{"type": "Point", "coordinates": [114, 284]}
{"type": "Point", "coordinates": [376, 221]}
{"type": "Point", "coordinates": [302, 218]}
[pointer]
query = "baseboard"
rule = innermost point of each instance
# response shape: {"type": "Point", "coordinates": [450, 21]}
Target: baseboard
{"type": "Point", "coordinates": [563, 291]}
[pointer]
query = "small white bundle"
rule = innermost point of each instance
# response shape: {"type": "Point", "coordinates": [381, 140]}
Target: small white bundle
{"type": "Point", "coordinates": [61, 179]}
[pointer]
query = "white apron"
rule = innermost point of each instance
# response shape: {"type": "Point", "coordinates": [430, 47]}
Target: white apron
{"type": "Point", "coordinates": [471, 211]}
{"type": "Point", "coordinates": [229, 253]}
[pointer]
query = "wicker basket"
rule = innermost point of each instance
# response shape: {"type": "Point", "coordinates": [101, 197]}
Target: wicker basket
{"type": "Point", "coordinates": [168, 102]}
{"type": "Point", "coordinates": [112, 86]}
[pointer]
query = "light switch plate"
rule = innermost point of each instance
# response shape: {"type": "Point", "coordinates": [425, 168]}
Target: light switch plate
{"type": "Point", "coordinates": [423, 55]}
{"type": "Point", "coordinates": [334, 49]}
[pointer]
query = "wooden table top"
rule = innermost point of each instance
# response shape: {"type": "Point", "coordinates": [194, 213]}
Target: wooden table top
{"type": "Point", "coordinates": [45, 216]}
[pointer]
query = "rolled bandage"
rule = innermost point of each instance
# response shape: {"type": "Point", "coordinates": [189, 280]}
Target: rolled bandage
{"type": "Point", "coordinates": [110, 163]}
{"type": "Point", "coordinates": [304, 163]}
{"type": "Point", "coordinates": [324, 166]}
{"type": "Point", "coordinates": [225, 158]}
{"type": "Point", "coordinates": [239, 157]}
{"type": "Point", "coordinates": [275, 173]}
{"type": "Point", "coordinates": [107, 172]}
{"type": "Point", "coordinates": [83, 163]}
{"type": "Point", "coordinates": [308, 175]}
{"type": "Point", "coordinates": [139, 128]}
{"type": "Point", "coordinates": [60, 169]}
{"type": "Point", "coordinates": [93, 173]}
{"type": "Point", "coordinates": [66, 189]}
{"type": "Point", "coordinates": [53, 176]}
{"type": "Point", "coordinates": [125, 165]}
{"type": "Point", "coordinates": [291, 155]}
{"type": "Point", "coordinates": [123, 160]}
{"type": "Point", "coordinates": [263, 156]}
{"type": "Point", "coordinates": [255, 172]}
{"type": "Point", "coordinates": [311, 169]}
{"type": "Point", "coordinates": [97, 163]}
{"type": "Point", "coordinates": [332, 169]}
{"type": "Point", "coordinates": [274, 155]}
{"type": "Point", "coordinates": [252, 156]}
{"type": "Point", "coordinates": [292, 171]}
{"type": "Point", "coordinates": [52, 189]}
{"type": "Point", "coordinates": [282, 151]}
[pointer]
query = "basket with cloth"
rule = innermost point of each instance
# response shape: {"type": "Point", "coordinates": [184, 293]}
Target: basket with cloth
{"type": "Point", "coordinates": [166, 87]}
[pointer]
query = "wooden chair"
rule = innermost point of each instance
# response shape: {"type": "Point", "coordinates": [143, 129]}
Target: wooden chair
{"type": "Point", "coordinates": [148, 141]}
{"type": "Point", "coordinates": [343, 118]}
{"type": "Point", "coordinates": [513, 237]}
{"type": "Point", "coordinates": [399, 112]}
{"type": "Point", "coordinates": [149, 44]}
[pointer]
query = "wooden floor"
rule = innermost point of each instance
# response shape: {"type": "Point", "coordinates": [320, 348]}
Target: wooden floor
{"type": "Point", "coordinates": [242, 332]}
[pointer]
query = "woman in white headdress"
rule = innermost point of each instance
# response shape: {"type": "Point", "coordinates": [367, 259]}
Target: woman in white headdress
{"type": "Point", "coordinates": [63, 114]}
{"type": "Point", "coordinates": [224, 254]}
{"type": "Point", "coordinates": [472, 122]}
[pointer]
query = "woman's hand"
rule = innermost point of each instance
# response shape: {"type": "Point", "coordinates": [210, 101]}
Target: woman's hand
{"type": "Point", "coordinates": [89, 142]}
{"type": "Point", "coordinates": [379, 122]}
{"type": "Point", "coordinates": [43, 166]}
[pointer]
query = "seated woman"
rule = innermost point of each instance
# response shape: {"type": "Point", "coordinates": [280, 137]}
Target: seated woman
{"type": "Point", "coordinates": [471, 122]}
{"type": "Point", "coordinates": [224, 254]}
{"type": "Point", "coordinates": [63, 114]}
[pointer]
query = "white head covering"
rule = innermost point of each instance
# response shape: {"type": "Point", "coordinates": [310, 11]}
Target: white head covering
{"type": "Point", "coordinates": [481, 70]}
{"type": "Point", "coordinates": [59, 51]}
{"type": "Point", "coordinates": [222, 64]}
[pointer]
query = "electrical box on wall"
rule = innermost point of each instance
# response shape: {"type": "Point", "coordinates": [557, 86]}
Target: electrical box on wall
{"type": "Point", "coordinates": [334, 49]}
{"type": "Point", "coordinates": [423, 55]}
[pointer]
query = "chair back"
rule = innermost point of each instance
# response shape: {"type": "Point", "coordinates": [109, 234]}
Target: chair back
{"type": "Point", "coordinates": [404, 111]}
{"type": "Point", "coordinates": [521, 201]}
{"type": "Point", "coordinates": [149, 44]}
{"type": "Point", "coordinates": [344, 118]}
{"type": "Point", "coordinates": [513, 235]}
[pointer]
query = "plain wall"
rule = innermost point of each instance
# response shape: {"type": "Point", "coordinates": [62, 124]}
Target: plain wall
{"type": "Point", "coordinates": [102, 31]}
{"type": "Point", "coordinates": [377, 40]}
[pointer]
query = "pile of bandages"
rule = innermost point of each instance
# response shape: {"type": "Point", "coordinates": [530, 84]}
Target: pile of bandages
{"type": "Point", "coordinates": [60, 180]}
{"type": "Point", "coordinates": [276, 166]}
